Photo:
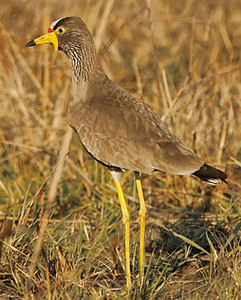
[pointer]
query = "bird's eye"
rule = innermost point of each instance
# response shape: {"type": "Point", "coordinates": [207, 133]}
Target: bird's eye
{"type": "Point", "coordinates": [60, 30]}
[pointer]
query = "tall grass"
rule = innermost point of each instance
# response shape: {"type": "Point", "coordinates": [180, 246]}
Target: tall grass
{"type": "Point", "coordinates": [61, 232]}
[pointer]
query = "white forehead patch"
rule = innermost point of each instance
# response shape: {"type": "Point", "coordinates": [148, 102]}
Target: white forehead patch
{"type": "Point", "coordinates": [54, 23]}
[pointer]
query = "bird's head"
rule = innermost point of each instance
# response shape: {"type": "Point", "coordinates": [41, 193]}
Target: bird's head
{"type": "Point", "coordinates": [66, 34]}
{"type": "Point", "coordinates": [71, 36]}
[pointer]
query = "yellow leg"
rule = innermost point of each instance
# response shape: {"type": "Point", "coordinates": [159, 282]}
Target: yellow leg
{"type": "Point", "coordinates": [126, 222]}
{"type": "Point", "coordinates": [142, 213]}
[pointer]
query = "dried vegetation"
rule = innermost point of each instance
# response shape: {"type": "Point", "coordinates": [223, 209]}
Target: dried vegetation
{"type": "Point", "coordinates": [61, 236]}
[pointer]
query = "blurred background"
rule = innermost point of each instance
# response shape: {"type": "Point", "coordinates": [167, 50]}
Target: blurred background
{"type": "Point", "coordinates": [182, 58]}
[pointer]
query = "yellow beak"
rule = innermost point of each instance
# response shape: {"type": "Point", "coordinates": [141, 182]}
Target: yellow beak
{"type": "Point", "coordinates": [49, 38]}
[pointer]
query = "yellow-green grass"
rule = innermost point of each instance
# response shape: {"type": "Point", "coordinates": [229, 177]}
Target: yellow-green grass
{"type": "Point", "coordinates": [182, 58]}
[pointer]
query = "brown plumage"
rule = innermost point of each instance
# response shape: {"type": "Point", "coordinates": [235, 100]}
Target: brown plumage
{"type": "Point", "coordinates": [117, 129]}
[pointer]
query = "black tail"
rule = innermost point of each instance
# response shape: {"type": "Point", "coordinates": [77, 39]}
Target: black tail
{"type": "Point", "coordinates": [210, 174]}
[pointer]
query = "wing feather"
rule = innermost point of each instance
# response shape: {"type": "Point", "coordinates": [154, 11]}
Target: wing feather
{"type": "Point", "coordinates": [120, 131]}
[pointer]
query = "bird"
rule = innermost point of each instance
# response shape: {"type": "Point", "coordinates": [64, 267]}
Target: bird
{"type": "Point", "coordinates": [118, 130]}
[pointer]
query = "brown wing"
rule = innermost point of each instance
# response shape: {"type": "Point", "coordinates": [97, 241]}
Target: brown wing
{"type": "Point", "coordinates": [121, 131]}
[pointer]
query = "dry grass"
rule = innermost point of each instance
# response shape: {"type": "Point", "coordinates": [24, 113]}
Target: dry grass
{"type": "Point", "coordinates": [183, 59]}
